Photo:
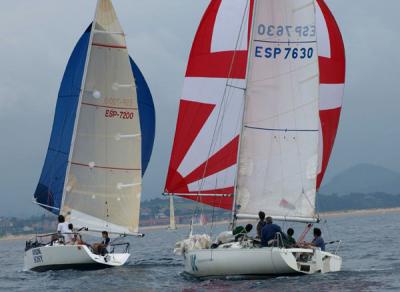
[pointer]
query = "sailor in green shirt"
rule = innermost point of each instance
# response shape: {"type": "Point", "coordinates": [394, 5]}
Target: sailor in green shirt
{"type": "Point", "coordinates": [240, 231]}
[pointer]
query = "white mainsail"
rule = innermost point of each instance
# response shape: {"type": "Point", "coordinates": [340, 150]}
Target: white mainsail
{"type": "Point", "coordinates": [103, 185]}
{"type": "Point", "coordinates": [278, 156]}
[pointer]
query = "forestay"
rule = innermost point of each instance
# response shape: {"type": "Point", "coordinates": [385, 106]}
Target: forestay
{"type": "Point", "coordinates": [103, 185]}
{"type": "Point", "coordinates": [203, 162]}
{"type": "Point", "coordinates": [279, 147]}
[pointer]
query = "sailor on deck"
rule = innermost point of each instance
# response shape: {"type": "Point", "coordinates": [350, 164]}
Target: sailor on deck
{"type": "Point", "coordinates": [260, 223]}
{"type": "Point", "coordinates": [318, 241]}
{"type": "Point", "coordinates": [62, 228]}
{"type": "Point", "coordinates": [269, 231]}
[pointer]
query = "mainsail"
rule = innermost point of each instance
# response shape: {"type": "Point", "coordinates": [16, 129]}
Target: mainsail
{"type": "Point", "coordinates": [207, 68]}
{"type": "Point", "coordinates": [94, 163]}
{"type": "Point", "coordinates": [279, 144]}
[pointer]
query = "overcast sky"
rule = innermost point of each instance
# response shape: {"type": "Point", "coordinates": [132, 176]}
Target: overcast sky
{"type": "Point", "coordinates": [37, 38]}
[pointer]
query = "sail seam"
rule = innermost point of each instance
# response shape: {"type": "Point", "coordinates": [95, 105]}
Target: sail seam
{"type": "Point", "coordinates": [281, 130]}
{"type": "Point", "coordinates": [104, 167]}
{"type": "Point", "coordinates": [106, 106]}
{"type": "Point", "coordinates": [108, 46]}
{"type": "Point", "coordinates": [200, 195]}
{"type": "Point", "coordinates": [288, 42]}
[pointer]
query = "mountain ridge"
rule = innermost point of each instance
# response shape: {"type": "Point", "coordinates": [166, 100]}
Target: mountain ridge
{"type": "Point", "coordinates": [363, 178]}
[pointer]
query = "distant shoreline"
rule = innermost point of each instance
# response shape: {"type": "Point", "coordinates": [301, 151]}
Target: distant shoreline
{"type": "Point", "coordinates": [322, 215]}
{"type": "Point", "coordinates": [359, 212]}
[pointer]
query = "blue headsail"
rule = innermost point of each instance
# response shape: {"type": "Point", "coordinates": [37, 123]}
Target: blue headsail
{"type": "Point", "coordinates": [147, 115]}
{"type": "Point", "coordinates": [51, 183]}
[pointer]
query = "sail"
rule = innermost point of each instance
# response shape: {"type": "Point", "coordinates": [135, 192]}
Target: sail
{"type": "Point", "coordinates": [49, 190]}
{"type": "Point", "coordinates": [279, 145]}
{"type": "Point", "coordinates": [172, 224]}
{"type": "Point", "coordinates": [147, 115]}
{"type": "Point", "coordinates": [96, 139]}
{"type": "Point", "coordinates": [332, 64]}
{"type": "Point", "coordinates": [204, 156]}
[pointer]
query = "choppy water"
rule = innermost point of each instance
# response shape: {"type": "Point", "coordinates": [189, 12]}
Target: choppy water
{"type": "Point", "coordinates": [370, 252]}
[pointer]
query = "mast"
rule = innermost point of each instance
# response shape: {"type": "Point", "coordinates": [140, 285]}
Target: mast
{"type": "Point", "coordinates": [234, 218]}
{"type": "Point", "coordinates": [89, 50]}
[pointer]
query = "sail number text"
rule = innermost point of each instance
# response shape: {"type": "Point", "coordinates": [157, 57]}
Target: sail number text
{"type": "Point", "coordinates": [286, 30]}
{"type": "Point", "coordinates": [119, 114]}
{"type": "Point", "coordinates": [285, 53]}
{"type": "Point", "coordinates": [37, 256]}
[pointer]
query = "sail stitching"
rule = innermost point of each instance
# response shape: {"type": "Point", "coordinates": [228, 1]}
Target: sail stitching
{"type": "Point", "coordinates": [287, 42]}
{"type": "Point", "coordinates": [106, 106]}
{"type": "Point", "coordinates": [281, 130]}
{"type": "Point", "coordinates": [108, 46]}
{"type": "Point", "coordinates": [105, 167]}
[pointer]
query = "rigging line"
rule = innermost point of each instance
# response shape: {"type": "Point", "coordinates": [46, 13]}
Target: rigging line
{"type": "Point", "coordinates": [236, 87]}
{"type": "Point", "coordinates": [78, 110]}
{"type": "Point", "coordinates": [283, 73]}
{"type": "Point", "coordinates": [213, 142]}
{"type": "Point", "coordinates": [288, 42]}
{"type": "Point", "coordinates": [299, 161]}
{"type": "Point", "coordinates": [280, 130]}
{"type": "Point", "coordinates": [236, 198]}
{"type": "Point", "coordinates": [105, 147]}
{"type": "Point", "coordinates": [224, 96]}
{"type": "Point", "coordinates": [295, 108]}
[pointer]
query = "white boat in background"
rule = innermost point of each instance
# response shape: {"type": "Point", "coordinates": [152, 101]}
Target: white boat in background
{"type": "Point", "coordinates": [101, 143]}
{"type": "Point", "coordinates": [256, 126]}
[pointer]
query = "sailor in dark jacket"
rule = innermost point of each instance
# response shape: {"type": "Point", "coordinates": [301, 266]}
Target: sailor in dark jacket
{"type": "Point", "coordinates": [269, 231]}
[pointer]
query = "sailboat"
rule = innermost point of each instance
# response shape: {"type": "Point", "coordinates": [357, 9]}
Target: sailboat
{"type": "Point", "coordinates": [100, 146]}
{"type": "Point", "coordinates": [256, 126]}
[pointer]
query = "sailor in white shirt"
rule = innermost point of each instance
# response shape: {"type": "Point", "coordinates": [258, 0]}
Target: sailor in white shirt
{"type": "Point", "coordinates": [62, 227]}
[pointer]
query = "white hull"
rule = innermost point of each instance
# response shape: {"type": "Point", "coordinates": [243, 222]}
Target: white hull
{"type": "Point", "coordinates": [259, 261]}
{"type": "Point", "coordinates": [59, 257]}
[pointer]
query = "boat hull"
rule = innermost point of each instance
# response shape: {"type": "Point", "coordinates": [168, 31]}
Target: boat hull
{"type": "Point", "coordinates": [60, 257]}
{"type": "Point", "coordinates": [259, 262]}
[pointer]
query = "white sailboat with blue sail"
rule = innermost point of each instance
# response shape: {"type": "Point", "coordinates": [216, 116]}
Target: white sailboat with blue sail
{"type": "Point", "coordinates": [100, 146]}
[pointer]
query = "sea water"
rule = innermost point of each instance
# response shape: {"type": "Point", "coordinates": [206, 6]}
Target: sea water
{"type": "Point", "coordinates": [370, 251]}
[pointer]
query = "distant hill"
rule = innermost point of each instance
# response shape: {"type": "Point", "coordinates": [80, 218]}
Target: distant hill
{"type": "Point", "coordinates": [357, 201]}
{"type": "Point", "coordinates": [363, 178]}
